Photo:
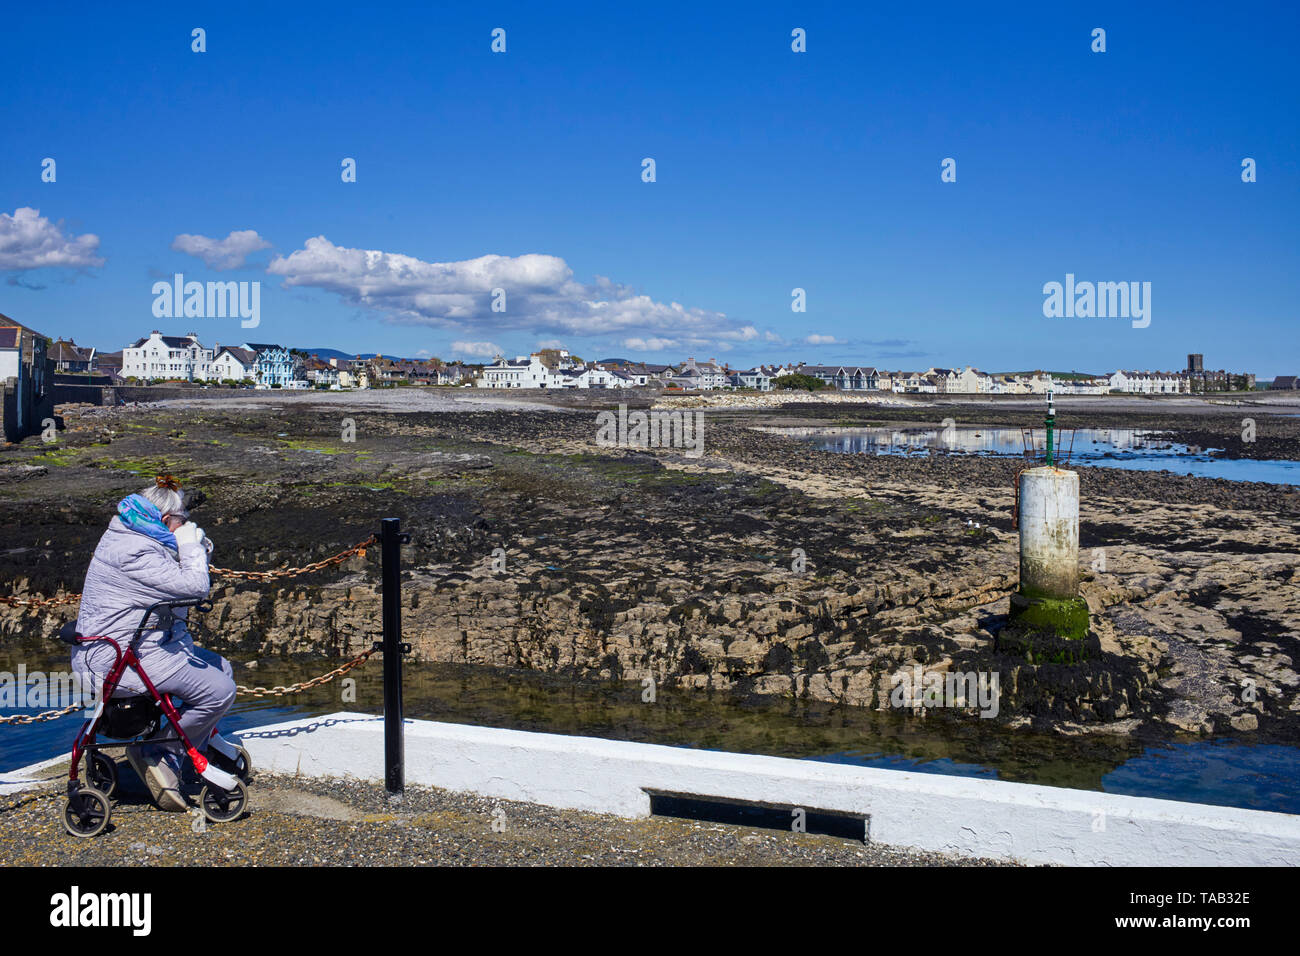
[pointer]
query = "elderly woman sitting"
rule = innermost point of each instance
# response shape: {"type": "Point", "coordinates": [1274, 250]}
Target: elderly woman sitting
{"type": "Point", "coordinates": [152, 552]}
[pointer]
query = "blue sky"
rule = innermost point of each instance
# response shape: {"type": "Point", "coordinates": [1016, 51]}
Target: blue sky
{"type": "Point", "coordinates": [775, 170]}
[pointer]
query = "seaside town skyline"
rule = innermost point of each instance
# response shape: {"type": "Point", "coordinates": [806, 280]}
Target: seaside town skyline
{"type": "Point", "coordinates": [161, 358]}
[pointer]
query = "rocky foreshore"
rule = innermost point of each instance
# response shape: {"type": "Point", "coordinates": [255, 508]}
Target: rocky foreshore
{"type": "Point", "coordinates": [762, 567]}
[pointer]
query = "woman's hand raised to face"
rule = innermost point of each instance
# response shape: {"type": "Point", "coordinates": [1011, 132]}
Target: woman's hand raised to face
{"type": "Point", "coordinates": [190, 533]}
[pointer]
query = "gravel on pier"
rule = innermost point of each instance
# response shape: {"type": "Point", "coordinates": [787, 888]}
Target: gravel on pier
{"type": "Point", "coordinates": [308, 822]}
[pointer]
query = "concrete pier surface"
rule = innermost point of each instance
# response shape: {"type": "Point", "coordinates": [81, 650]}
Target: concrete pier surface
{"type": "Point", "coordinates": [909, 812]}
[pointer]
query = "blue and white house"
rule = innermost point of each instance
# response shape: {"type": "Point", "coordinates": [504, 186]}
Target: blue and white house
{"type": "Point", "coordinates": [273, 366]}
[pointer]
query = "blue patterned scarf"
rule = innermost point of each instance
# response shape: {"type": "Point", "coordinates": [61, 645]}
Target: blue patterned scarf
{"type": "Point", "coordinates": [140, 515]}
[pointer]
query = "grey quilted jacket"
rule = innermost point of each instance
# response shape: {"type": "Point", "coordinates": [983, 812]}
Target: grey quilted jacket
{"type": "Point", "coordinates": [129, 572]}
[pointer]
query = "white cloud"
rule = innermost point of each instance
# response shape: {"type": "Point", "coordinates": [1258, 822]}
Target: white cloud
{"type": "Point", "coordinates": [651, 344]}
{"type": "Point", "coordinates": [541, 295]}
{"type": "Point", "coordinates": [221, 254]}
{"type": "Point", "coordinates": [477, 349]}
{"type": "Point", "coordinates": [30, 241]}
{"type": "Point", "coordinates": [816, 339]}
{"type": "Point", "coordinates": [550, 344]}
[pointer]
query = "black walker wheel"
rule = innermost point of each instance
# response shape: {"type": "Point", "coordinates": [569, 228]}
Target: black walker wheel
{"type": "Point", "coordinates": [222, 806]}
{"type": "Point", "coordinates": [101, 772]}
{"type": "Point", "coordinates": [86, 813]}
{"type": "Point", "coordinates": [241, 766]}
{"type": "Point", "coordinates": [245, 761]}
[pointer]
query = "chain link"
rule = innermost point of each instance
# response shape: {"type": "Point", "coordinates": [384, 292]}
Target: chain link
{"type": "Point", "coordinates": [276, 574]}
{"type": "Point", "coordinates": [40, 602]}
{"type": "Point", "coordinates": [273, 575]}
{"type": "Point", "coordinates": [43, 716]}
{"type": "Point", "coordinates": [279, 691]}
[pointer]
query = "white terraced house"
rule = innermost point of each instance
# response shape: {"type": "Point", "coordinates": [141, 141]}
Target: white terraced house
{"type": "Point", "coordinates": [534, 371]}
{"type": "Point", "coordinates": [234, 364]}
{"type": "Point", "coordinates": [167, 357]}
{"type": "Point", "coordinates": [967, 381]}
{"type": "Point", "coordinates": [640, 373]}
{"type": "Point", "coordinates": [1147, 383]}
{"type": "Point", "coordinates": [453, 374]}
{"type": "Point", "coordinates": [961, 381]}
{"type": "Point", "coordinates": [701, 375]}
{"type": "Point", "coordinates": [849, 378]}
{"type": "Point", "coordinates": [1082, 386]}
{"type": "Point", "coordinates": [911, 382]}
{"type": "Point", "coordinates": [520, 372]}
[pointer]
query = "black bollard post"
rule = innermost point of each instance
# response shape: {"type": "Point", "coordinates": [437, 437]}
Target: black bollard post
{"type": "Point", "coordinates": [391, 540]}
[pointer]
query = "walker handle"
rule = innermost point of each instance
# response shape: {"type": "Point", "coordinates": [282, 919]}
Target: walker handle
{"type": "Point", "coordinates": [202, 605]}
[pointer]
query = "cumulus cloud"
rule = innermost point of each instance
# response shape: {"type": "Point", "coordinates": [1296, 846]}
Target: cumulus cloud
{"type": "Point", "coordinates": [650, 344]}
{"type": "Point", "coordinates": [30, 241]}
{"type": "Point", "coordinates": [221, 254]}
{"type": "Point", "coordinates": [816, 339]}
{"type": "Point", "coordinates": [541, 295]}
{"type": "Point", "coordinates": [477, 349]}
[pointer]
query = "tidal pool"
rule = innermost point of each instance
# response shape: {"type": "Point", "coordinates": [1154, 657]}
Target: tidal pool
{"type": "Point", "coordinates": [1126, 448]}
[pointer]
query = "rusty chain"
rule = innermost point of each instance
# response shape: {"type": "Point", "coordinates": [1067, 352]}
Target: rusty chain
{"type": "Point", "coordinates": [41, 717]}
{"type": "Point", "coordinates": [276, 574]}
{"type": "Point", "coordinates": [40, 602]}
{"type": "Point", "coordinates": [301, 686]}
{"type": "Point", "coordinates": [273, 575]}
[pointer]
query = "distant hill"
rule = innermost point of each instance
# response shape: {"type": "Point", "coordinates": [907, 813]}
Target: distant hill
{"type": "Point", "coordinates": [334, 353]}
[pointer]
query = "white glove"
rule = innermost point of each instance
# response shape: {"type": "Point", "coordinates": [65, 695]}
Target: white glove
{"type": "Point", "coordinates": [187, 534]}
{"type": "Point", "coordinates": [205, 541]}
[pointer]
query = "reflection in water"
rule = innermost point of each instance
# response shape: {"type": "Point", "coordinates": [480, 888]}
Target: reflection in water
{"type": "Point", "coordinates": [1259, 777]}
{"type": "Point", "coordinates": [1128, 448]}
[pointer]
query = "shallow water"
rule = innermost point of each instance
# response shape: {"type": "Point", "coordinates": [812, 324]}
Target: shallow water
{"type": "Point", "coordinates": [1226, 772]}
{"type": "Point", "coordinates": [1125, 448]}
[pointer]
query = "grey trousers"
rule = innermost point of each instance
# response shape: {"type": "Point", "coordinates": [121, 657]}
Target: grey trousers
{"type": "Point", "coordinates": [206, 688]}
{"type": "Point", "coordinates": [201, 685]}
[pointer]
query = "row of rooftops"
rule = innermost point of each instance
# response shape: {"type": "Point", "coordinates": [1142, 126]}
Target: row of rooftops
{"type": "Point", "coordinates": [68, 352]}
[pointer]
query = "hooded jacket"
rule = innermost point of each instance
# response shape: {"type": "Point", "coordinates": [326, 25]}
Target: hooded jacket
{"type": "Point", "coordinates": [129, 572]}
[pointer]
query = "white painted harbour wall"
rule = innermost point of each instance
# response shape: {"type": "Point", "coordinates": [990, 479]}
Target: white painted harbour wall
{"type": "Point", "coordinates": [968, 816]}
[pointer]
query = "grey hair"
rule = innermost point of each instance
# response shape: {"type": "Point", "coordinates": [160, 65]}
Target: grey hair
{"type": "Point", "coordinates": [167, 502]}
